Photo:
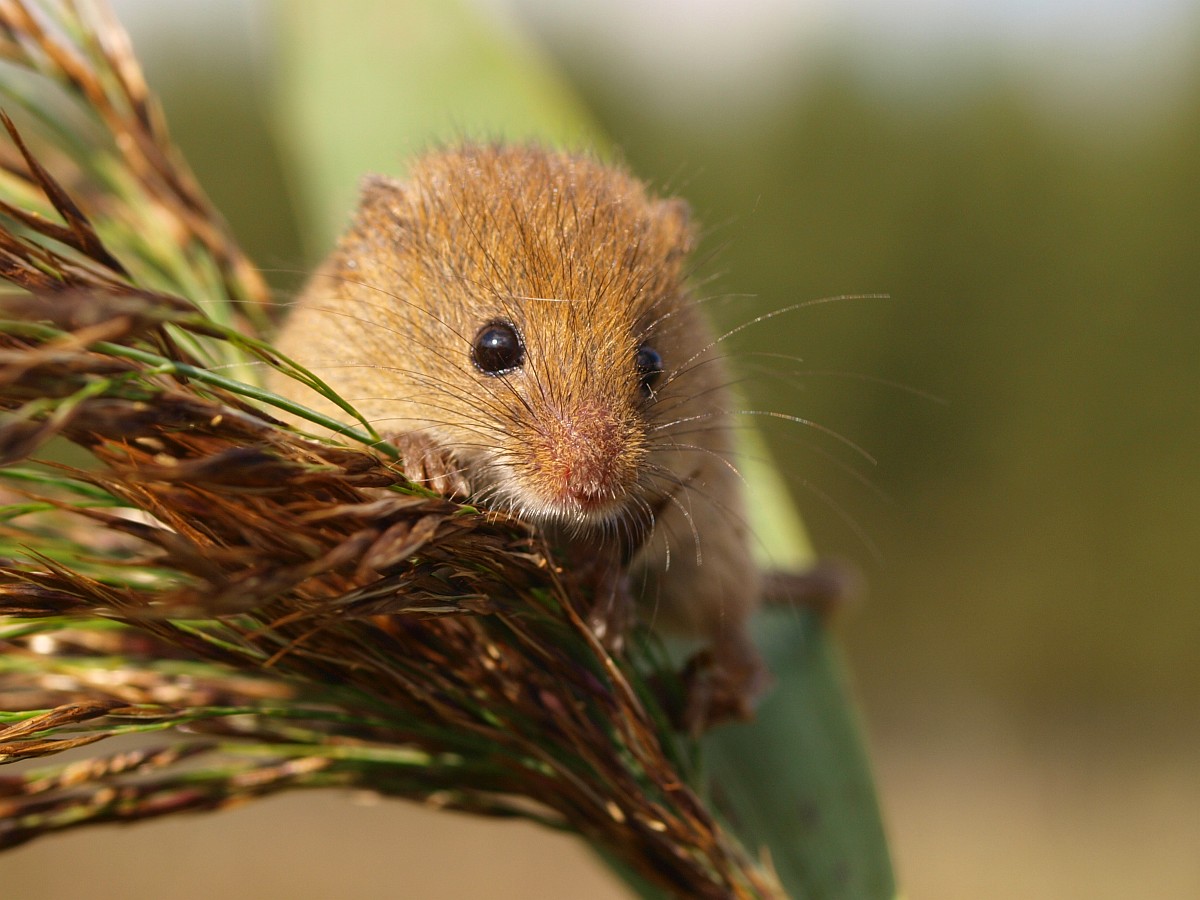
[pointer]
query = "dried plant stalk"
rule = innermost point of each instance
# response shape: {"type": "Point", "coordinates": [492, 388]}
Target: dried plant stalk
{"type": "Point", "coordinates": [316, 619]}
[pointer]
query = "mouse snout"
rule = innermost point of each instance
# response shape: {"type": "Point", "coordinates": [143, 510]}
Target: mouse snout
{"type": "Point", "coordinates": [585, 459]}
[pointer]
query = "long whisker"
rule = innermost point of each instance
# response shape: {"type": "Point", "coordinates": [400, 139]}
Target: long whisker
{"type": "Point", "coordinates": [773, 415]}
{"type": "Point", "coordinates": [765, 317]}
{"type": "Point", "coordinates": [839, 373]}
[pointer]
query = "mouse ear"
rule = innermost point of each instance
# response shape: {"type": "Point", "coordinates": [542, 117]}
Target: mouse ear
{"type": "Point", "coordinates": [676, 215]}
{"type": "Point", "coordinates": [381, 209]}
{"type": "Point", "coordinates": [380, 189]}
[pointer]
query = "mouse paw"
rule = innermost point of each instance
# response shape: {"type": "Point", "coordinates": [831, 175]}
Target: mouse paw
{"type": "Point", "coordinates": [430, 465]}
{"type": "Point", "coordinates": [721, 687]}
{"type": "Point", "coordinates": [597, 572]}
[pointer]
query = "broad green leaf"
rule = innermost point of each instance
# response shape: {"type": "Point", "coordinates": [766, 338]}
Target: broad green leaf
{"type": "Point", "coordinates": [797, 780]}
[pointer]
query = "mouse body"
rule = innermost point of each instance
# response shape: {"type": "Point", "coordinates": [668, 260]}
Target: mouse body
{"type": "Point", "coordinates": [519, 322]}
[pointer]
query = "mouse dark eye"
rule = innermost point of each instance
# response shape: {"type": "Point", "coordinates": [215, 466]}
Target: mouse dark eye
{"type": "Point", "coordinates": [498, 348]}
{"type": "Point", "coordinates": [649, 367]}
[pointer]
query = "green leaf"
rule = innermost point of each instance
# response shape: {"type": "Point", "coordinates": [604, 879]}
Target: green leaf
{"type": "Point", "coordinates": [797, 780]}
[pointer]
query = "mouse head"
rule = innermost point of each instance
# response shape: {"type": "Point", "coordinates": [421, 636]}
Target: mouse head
{"type": "Point", "coordinates": [533, 317]}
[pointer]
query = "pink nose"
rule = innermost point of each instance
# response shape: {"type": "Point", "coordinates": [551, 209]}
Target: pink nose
{"type": "Point", "coordinates": [587, 458]}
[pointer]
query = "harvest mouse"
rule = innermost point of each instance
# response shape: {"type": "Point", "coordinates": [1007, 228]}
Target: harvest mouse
{"type": "Point", "coordinates": [518, 322]}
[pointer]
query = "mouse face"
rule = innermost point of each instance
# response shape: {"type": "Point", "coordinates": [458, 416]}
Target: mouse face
{"type": "Point", "coordinates": [527, 311]}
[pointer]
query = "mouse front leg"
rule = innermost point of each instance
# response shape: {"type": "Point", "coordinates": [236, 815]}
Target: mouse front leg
{"type": "Point", "coordinates": [429, 464]}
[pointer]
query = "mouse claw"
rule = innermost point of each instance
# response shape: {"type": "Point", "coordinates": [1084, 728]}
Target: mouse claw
{"type": "Point", "coordinates": [430, 465]}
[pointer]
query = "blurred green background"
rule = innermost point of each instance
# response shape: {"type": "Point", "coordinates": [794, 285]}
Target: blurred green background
{"type": "Point", "coordinates": [1026, 652]}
